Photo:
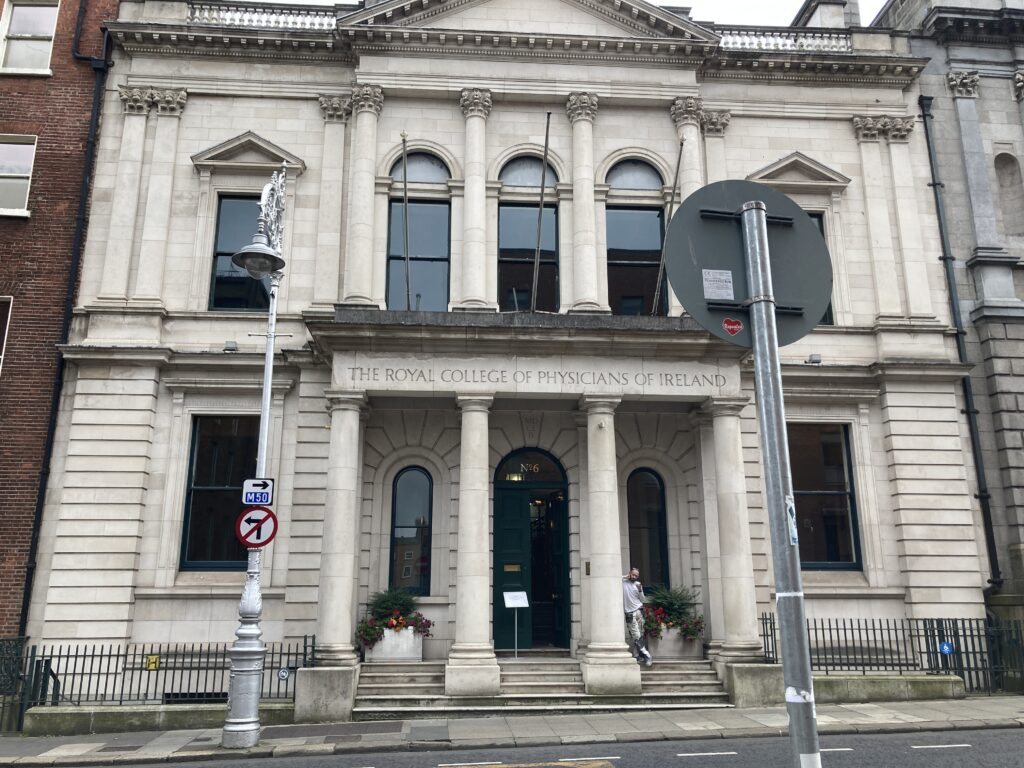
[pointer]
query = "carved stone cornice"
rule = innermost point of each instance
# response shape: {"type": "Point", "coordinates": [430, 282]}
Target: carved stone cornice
{"type": "Point", "coordinates": [964, 84]}
{"type": "Point", "coordinates": [335, 109]}
{"type": "Point", "coordinates": [136, 101]}
{"type": "Point", "coordinates": [1018, 85]}
{"type": "Point", "coordinates": [687, 110]}
{"type": "Point", "coordinates": [367, 98]}
{"type": "Point", "coordinates": [715, 123]}
{"type": "Point", "coordinates": [581, 106]}
{"type": "Point", "coordinates": [168, 101]}
{"type": "Point", "coordinates": [475, 102]}
{"type": "Point", "coordinates": [894, 129]}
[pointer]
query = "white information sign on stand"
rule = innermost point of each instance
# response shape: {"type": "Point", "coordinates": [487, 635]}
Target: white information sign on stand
{"type": "Point", "coordinates": [515, 601]}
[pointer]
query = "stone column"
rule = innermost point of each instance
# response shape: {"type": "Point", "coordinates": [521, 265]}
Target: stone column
{"type": "Point", "coordinates": [740, 639]}
{"type": "Point", "coordinates": [472, 669]}
{"type": "Point", "coordinates": [340, 544]}
{"type": "Point", "coordinates": [582, 111]}
{"type": "Point", "coordinates": [712, 583]}
{"type": "Point", "coordinates": [904, 185]}
{"type": "Point", "coordinates": [883, 256]}
{"type": "Point", "coordinates": [687, 114]}
{"type": "Point", "coordinates": [990, 264]}
{"type": "Point", "coordinates": [125, 202]}
{"type": "Point", "coordinates": [149, 284]}
{"type": "Point", "coordinates": [336, 111]}
{"type": "Point", "coordinates": [607, 667]}
{"type": "Point", "coordinates": [476, 106]}
{"type": "Point", "coordinates": [367, 102]}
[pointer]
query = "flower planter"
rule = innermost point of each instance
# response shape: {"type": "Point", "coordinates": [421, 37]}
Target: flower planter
{"type": "Point", "coordinates": [401, 645]}
{"type": "Point", "coordinates": [672, 645]}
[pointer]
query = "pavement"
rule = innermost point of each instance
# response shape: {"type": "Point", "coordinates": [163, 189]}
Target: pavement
{"type": "Point", "coordinates": [978, 712]}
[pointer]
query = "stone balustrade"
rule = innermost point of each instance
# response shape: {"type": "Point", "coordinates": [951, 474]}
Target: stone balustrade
{"type": "Point", "coordinates": [803, 41]}
{"type": "Point", "coordinates": [262, 16]}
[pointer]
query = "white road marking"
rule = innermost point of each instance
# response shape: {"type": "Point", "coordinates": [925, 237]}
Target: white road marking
{"type": "Point", "coordinates": [452, 765]}
{"type": "Point", "coordinates": [940, 746]}
{"type": "Point", "coordinates": [703, 754]}
{"type": "Point", "coordinates": [579, 759]}
{"type": "Point", "coordinates": [836, 749]}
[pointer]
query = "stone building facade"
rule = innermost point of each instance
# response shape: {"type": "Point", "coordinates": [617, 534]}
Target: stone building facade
{"type": "Point", "coordinates": [42, 220]}
{"type": "Point", "coordinates": [975, 79]}
{"type": "Point", "coordinates": [444, 437]}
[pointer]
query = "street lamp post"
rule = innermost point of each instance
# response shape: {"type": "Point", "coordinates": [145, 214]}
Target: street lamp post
{"type": "Point", "coordinates": [260, 258]}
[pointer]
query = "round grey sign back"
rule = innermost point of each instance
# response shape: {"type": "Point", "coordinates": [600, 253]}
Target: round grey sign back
{"type": "Point", "coordinates": [706, 267]}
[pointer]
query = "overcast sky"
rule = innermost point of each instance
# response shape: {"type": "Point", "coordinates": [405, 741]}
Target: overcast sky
{"type": "Point", "coordinates": [774, 12]}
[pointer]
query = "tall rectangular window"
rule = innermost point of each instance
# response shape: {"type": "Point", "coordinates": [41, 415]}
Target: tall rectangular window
{"type": "Point", "coordinates": [517, 245]}
{"type": "Point", "coordinates": [28, 35]}
{"type": "Point", "coordinates": [223, 456]}
{"type": "Point", "coordinates": [634, 258]}
{"type": "Point", "coordinates": [5, 324]}
{"type": "Point", "coordinates": [17, 155]}
{"type": "Point", "coordinates": [428, 257]}
{"type": "Point", "coordinates": [826, 509]}
{"type": "Point", "coordinates": [819, 218]}
{"type": "Point", "coordinates": [232, 287]}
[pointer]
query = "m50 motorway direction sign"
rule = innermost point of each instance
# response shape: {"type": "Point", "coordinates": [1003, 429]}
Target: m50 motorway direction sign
{"type": "Point", "coordinates": [256, 527]}
{"type": "Point", "coordinates": [258, 490]}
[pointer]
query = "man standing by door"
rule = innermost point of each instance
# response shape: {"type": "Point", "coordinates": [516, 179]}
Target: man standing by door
{"type": "Point", "coordinates": [633, 605]}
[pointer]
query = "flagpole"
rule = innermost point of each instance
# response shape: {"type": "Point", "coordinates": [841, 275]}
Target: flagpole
{"type": "Point", "coordinates": [671, 210]}
{"type": "Point", "coordinates": [405, 221]}
{"type": "Point", "coordinates": [540, 214]}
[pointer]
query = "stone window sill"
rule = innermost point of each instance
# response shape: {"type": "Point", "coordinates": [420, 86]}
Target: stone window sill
{"type": "Point", "coordinates": [15, 72]}
{"type": "Point", "coordinates": [15, 213]}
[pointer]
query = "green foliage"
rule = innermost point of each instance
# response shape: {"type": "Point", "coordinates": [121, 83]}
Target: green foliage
{"type": "Point", "coordinates": [383, 605]}
{"type": "Point", "coordinates": [677, 603]}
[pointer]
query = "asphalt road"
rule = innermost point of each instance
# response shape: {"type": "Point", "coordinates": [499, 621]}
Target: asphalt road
{"type": "Point", "coordinates": [939, 749]}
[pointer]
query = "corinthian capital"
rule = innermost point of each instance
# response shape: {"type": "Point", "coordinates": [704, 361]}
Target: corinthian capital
{"type": "Point", "coordinates": [715, 123]}
{"type": "Point", "coordinates": [867, 128]}
{"type": "Point", "coordinates": [335, 109]}
{"type": "Point", "coordinates": [687, 110]}
{"type": "Point", "coordinates": [1018, 85]}
{"type": "Point", "coordinates": [367, 98]}
{"type": "Point", "coordinates": [897, 128]}
{"type": "Point", "coordinates": [475, 102]}
{"type": "Point", "coordinates": [581, 106]}
{"type": "Point", "coordinates": [964, 83]}
{"type": "Point", "coordinates": [136, 101]}
{"type": "Point", "coordinates": [168, 101]}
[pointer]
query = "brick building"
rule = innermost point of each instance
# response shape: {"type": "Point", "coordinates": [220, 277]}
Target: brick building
{"type": "Point", "coordinates": [46, 109]}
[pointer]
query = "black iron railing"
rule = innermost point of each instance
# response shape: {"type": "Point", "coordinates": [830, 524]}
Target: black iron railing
{"type": "Point", "coordinates": [988, 655]}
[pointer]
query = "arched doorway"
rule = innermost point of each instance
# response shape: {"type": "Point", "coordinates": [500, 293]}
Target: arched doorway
{"type": "Point", "coordinates": [531, 550]}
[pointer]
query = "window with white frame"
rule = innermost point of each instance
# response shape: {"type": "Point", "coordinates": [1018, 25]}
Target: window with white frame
{"type": "Point", "coordinates": [27, 35]}
{"type": "Point", "coordinates": [17, 155]}
{"type": "Point", "coordinates": [5, 323]}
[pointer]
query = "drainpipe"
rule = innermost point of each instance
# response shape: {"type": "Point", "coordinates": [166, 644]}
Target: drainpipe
{"type": "Point", "coordinates": [995, 581]}
{"type": "Point", "coordinates": [100, 65]}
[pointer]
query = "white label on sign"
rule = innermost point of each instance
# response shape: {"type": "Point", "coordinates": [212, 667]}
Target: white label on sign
{"type": "Point", "coordinates": [258, 491]}
{"type": "Point", "coordinates": [516, 600]}
{"type": "Point", "coordinates": [718, 284]}
{"type": "Point", "coordinates": [791, 515]}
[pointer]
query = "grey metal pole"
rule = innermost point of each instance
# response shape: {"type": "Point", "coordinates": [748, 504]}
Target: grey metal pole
{"type": "Point", "coordinates": [789, 595]}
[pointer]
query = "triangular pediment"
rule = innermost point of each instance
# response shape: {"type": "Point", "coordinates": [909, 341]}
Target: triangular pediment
{"type": "Point", "coordinates": [584, 18]}
{"type": "Point", "coordinates": [248, 153]}
{"type": "Point", "coordinates": [798, 172]}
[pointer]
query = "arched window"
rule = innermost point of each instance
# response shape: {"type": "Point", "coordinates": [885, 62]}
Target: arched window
{"type": "Point", "coordinates": [429, 235]}
{"type": "Point", "coordinates": [517, 237]}
{"type": "Point", "coordinates": [1011, 194]}
{"type": "Point", "coordinates": [648, 545]}
{"type": "Point", "coordinates": [411, 513]}
{"type": "Point", "coordinates": [634, 229]}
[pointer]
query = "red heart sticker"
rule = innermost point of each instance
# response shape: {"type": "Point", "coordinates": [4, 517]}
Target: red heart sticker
{"type": "Point", "coordinates": [732, 327]}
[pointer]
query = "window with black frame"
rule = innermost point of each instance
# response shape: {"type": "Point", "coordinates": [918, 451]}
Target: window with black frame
{"type": "Point", "coordinates": [231, 287]}
{"type": "Point", "coordinates": [411, 519]}
{"type": "Point", "coordinates": [223, 455]}
{"type": "Point", "coordinates": [517, 238]}
{"type": "Point", "coordinates": [634, 228]}
{"type": "Point", "coordinates": [648, 544]}
{"type": "Point", "coordinates": [819, 218]}
{"type": "Point", "coordinates": [826, 509]}
{"type": "Point", "coordinates": [429, 243]}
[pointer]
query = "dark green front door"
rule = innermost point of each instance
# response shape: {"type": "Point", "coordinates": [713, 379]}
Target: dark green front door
{"type": "Point", "coordinates": [531, 555]}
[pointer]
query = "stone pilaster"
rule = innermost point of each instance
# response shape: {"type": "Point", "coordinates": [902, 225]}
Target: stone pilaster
{"type": "Point", "coordinates": [582, 111]}
{"type": "Point", "coordinates": [367, 103]}
{"type": "Point", "coordinates": [336, 111]}
{"type": "Point", "coordinates": [740, 640]}
{"type": "Point", "coordinates": [714, 126]}
{"type": "Point", "coordinates": [336, 602]}
{"type": "Point", "coordinates": [121, 233]}
{"type": "Point", "coordinates": [476, 106]}
{"type": "Point", "coordinates": [472, 668]}
{"type": "Point", "coordinates": [608, 667]}
{"type": "Point", "coordinates": [149, 284]}
{"type": "Point", "coordinates": [883, 255]}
